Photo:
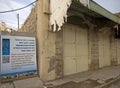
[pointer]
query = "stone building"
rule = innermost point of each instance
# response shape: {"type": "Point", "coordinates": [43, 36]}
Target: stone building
{"type": "Point", "coordinates": [72, 37]}
{"type": "Point", "coordinates": [31, 23]}
{"type": "Point", "coordinates": [4, 28]}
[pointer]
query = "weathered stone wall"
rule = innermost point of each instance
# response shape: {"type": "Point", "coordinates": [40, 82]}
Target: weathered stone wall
{"type": "Point", "coordinates": [59, 54]}
{"type": "Point", "coordinates": [46, 49]}
{"type": "Point", "coordinates": [93, 49]}
{"type": "Point", "coordinates": [115, 51]}
{"type": "Point", "coordinates": [30, 25]}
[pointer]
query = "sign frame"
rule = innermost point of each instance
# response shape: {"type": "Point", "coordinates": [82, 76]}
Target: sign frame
{"type": "Point", "coordinates": [18, 57]}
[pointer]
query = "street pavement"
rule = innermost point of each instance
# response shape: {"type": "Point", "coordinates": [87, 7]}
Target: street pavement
{"type": "Point", "coordinates": [89, 79]}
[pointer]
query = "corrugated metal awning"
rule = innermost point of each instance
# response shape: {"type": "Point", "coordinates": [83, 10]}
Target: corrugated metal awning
{"type": "Point", "coordinates": [59, 11]}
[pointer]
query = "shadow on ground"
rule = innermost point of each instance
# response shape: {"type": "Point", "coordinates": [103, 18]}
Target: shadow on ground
{"type": "Point", "coordinates": [84, 84]}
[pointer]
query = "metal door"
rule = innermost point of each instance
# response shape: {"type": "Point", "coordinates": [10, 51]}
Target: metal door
{"type": "Point", "coordinates": [104, 50]}
{"type": "Point", "coordinates": [75, 49]}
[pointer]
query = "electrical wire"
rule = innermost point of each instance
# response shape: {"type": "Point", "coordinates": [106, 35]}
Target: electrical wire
{"type": "Point", "coordinates": [18, 8]}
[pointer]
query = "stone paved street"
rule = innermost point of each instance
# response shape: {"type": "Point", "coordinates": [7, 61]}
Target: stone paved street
{"type": "Point", "coordinates": [90, 79]}
{"type": "Point", "coordinates": [114, 85]}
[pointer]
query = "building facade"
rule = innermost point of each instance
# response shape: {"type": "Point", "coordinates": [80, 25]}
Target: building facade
{"type": "Point", "coordinates": [85, 42]}
{"type": "Point", "coordinates": [31, 23]}
{"type": "Point", "coordinates": [4, 28]}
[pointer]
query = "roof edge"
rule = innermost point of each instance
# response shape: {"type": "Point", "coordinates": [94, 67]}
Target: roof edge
{"type": "Point", "coordinates": [102, 11]}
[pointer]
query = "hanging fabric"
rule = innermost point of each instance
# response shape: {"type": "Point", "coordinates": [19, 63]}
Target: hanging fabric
{"type": "Point", "coordinates": [58, 12]}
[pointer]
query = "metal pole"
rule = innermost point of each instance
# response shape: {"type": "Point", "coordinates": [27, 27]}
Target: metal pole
{"type": "Point", "coordinates": [18, 20]}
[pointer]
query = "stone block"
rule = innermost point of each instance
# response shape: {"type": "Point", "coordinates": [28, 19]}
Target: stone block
{"type": "Point", "coordinates": [7, 85]}
{"type": "Point", "coordinates": [29, 83]}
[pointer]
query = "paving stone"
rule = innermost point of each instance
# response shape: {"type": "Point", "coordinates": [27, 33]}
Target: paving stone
{"type": "Point", "coordinates": [113, 86]}
{"type": "Point", "coordinates": [7, 85]}
{"type": "Point", "coordinates": [101, 75]}
{"type": "Point", "coordinates": [29, 83]}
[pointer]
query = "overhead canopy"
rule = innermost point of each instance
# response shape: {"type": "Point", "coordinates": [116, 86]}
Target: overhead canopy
{"type": "Point", "coordinates": [59, 11]}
